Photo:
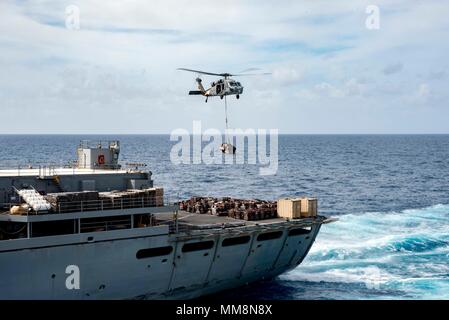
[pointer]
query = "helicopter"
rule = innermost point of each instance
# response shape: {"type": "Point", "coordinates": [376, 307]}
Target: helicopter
{"type": "Point", "coordinates": [222, 87]}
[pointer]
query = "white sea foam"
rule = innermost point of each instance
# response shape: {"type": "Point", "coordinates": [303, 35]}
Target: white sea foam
{"type": "Point", "coordinates": [404, 251]}
{"type": "Point", "coordinates": [369, 274]}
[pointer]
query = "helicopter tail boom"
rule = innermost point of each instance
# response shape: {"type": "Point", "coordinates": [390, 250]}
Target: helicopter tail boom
{"type": "Point", "coordinates": [194, 93]}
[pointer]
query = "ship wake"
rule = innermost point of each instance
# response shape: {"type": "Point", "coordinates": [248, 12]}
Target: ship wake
{"type": "Point", "coordinates": [378, 255]}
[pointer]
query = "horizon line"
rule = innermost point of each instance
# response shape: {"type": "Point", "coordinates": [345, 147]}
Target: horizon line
{"type": "Point", "coordinates": [160, 134]}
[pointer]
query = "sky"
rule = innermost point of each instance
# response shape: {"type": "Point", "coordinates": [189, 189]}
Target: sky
{"type": "Point", "coordinates": [331, 72]}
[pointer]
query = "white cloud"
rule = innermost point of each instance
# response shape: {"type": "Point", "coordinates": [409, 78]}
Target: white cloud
{"type": "Point", "coordinates": [329, 90]}
{"type": "Point", "coordinates": [287, 75]}
{"type": "Point", "coordinates": [349, 88]}
{"type": "Point", "coordinates": [353, 87]}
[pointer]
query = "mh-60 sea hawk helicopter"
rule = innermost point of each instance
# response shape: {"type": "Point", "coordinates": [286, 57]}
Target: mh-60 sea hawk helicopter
{"type": "Point", "coordinates": [222, 87]}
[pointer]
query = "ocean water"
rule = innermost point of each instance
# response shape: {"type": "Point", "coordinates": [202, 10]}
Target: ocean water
{"type": "Point", "coordinates": [389, 192]}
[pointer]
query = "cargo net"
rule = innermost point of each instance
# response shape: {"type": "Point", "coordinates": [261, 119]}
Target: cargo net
{"type": "Point", "coordinates": [242, 209]}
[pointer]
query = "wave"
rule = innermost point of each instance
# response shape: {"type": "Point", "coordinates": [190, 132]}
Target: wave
{"type": "Point", "coordinates": [399, 254]}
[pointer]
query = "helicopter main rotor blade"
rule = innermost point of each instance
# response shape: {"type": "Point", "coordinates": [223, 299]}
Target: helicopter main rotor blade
{"type": "Point", "coordinates": [248, 70]}
{"type": "Point", "coordinates": [250, 74]}
{"type": "Point", "coordinates": [201, 72]}
{"type": "Point", "coordinates": [225, 75]}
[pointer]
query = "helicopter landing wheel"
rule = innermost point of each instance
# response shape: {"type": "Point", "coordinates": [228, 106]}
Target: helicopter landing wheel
{"type": "Point", "coordinates": [238, 97]}
{"type": "Point", "coordinates": [221, 97]}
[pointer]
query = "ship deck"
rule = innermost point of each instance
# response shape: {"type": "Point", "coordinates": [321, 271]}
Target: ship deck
{"type": "Point", "coordinates": [195, 219]}
{"type": "Point", "coordinates": [207, 221]}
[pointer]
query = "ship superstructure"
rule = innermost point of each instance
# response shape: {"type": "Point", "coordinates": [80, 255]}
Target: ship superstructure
{"type": "Point", "coordinates": [125, 239]}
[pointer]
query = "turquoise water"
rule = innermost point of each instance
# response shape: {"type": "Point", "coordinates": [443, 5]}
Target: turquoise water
{"type": "Point", "coordinates": [375, 255]}
{"type": "Point", "coordinates": [383, 255]}
{"type": "Point", "coordinates": [389, 192]}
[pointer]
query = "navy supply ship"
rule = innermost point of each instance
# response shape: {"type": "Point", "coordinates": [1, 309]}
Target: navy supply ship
{"type": "Point", "coordinates": [96, 230]}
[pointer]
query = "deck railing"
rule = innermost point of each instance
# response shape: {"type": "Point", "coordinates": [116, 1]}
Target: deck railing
{"type": "Point", "coordinates": [98, 205]}
{"type": "Point", "coordinates": [52, 170]}
{"type": "Point", "coordinates": [104, 144]}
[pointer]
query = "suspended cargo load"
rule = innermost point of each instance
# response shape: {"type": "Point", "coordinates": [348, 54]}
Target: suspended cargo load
{"type": "Point", "coordinates": [228, 148]}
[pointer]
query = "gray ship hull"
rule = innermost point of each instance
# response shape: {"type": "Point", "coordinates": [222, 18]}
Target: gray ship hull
{"type": "Point", "coordinates": [130, 242]}
{"type": "Point", "coordinates": [35, 268]}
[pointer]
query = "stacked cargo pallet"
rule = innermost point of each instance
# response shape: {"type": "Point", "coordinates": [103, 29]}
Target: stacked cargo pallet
{"type": "Point", "coordinates": [64, 202]}
{"type": "Point", "coordinates": [123, 199]}
{"type": "Point", "coordinates": [297, 208]}
{"type": "Point", "coordinates": [132, 198]}
{"type": "Point", "coordinates": [74, 201]}
{"type": "Point", "coordinates": [235, 208]}
{"type": "Point", "coordinates": [159, 196]}
{"type": "Point", "coordinates": [34, 199]}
